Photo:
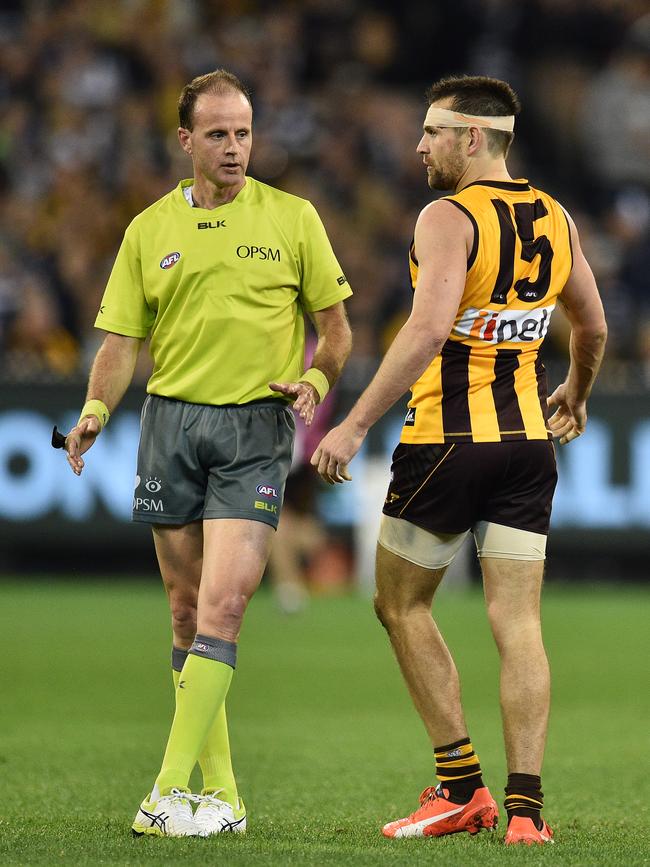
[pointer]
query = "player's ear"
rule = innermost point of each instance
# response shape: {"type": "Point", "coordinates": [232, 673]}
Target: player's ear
{"type": "Point", "coordinates": [184, 139]}
{"type": "Point", "coordinates": [474, 140]}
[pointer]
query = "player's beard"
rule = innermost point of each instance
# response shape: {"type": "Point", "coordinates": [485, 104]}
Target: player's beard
{"type": "Point", "coordinates": [446, 177]}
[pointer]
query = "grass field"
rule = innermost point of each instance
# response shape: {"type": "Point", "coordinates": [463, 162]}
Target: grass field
{"type": "Point", "coordinates": [325, 742]}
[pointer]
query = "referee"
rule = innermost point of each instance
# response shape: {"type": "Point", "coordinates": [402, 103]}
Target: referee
{"type": "Point", "coordinates": [218, 273]}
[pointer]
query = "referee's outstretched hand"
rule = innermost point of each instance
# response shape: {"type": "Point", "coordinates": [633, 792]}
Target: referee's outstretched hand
{"type": "Point", "coordinates": [570, 417]}
{"type": "Point", "coordinates": [79, 440]}
{"type": "Point", "coordinates": [305, 397]}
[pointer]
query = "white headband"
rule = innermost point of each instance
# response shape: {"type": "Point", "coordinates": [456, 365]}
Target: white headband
{"type": "Point", "coordinates": [445, 117]}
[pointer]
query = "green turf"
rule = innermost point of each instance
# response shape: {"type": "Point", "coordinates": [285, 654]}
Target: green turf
{"type": "Point", "coordinates": [325, 742]}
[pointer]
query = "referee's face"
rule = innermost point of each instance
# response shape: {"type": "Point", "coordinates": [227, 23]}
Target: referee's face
{"type": "Point", "coordinates": [220, 142]}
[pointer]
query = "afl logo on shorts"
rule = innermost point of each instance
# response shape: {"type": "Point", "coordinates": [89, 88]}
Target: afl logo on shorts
{"type": "Point", "coordinates": [267, 491]}
{"type": "Point", "coordinates": [169, 260]}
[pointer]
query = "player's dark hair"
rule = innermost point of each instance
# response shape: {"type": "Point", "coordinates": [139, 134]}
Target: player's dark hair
{"type": "Point", "coordinates": [479, 94]}
{"type": "Point", "coordinates": [220, 81]}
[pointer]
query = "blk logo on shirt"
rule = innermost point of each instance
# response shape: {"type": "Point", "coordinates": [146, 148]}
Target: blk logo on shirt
{"type": "Point", "coordinates": [217, 224]}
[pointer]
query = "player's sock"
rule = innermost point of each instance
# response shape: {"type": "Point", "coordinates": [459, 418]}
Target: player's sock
{"type": "Point", "coordinates": [214, 760]}
{"type": "Point", "coordinates": [524, 797]}
{"type": "Point", "coordinates": [202, 689]}
{"type": "Point", "coordinates": [459, 770]}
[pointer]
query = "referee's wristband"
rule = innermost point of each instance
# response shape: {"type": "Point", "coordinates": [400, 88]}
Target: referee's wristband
{"type": "Point", "coordinates": [317, 378]}
{"type": "Point", "coordinates": [97, 408]}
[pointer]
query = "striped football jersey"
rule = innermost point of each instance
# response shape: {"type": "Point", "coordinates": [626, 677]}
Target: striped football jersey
{"type": "Point", "coordinates": [488, 383]}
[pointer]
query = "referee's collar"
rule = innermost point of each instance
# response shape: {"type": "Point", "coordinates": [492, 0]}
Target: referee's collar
{"type": "Point", "coordinates": [186, 186]}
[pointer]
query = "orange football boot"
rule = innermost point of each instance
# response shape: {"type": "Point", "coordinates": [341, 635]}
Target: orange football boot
{"type": "Point", "coordinates": [437, 815]}
{"type": "Point", "coordinates": [523, 830]}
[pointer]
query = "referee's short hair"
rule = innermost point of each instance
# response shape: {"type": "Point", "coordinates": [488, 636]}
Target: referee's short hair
{"type": "Point", "coordinates": [220, 81]}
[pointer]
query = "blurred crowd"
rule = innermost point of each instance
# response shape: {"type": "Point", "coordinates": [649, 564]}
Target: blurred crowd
{"type": "Point", "coordinates": [88, 93]}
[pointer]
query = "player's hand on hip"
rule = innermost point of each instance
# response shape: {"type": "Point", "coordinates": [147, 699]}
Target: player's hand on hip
{"type": "Point", "coordinates": [570, 417]}
{"type": "Point", "coordinates": [79, 440]}
{"type": "Point", "coordinates": [334, 453]}
{"type": "Point", "coordinates": [305, 397]}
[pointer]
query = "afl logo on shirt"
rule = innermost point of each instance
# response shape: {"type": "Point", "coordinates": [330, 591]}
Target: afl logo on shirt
{"type": "Point", "coordinates": [169, 260]}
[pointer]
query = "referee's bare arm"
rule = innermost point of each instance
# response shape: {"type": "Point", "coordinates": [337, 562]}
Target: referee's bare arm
{"type": "Point", "coordinates": [334, 340]}
{"type": "Point", "coordinates": [584, 310]}
{"type": "Point", "coordinates": [110, 376]}
{"type": "Point", "coordinates": [332, 351]}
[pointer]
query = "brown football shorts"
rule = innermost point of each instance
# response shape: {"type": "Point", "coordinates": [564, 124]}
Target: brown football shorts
{"type": "Point", "coordinates": [449, 488]}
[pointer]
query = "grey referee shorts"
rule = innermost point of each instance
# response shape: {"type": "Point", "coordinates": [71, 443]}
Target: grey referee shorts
{"type": "Point", "coordinates": [200, 462]}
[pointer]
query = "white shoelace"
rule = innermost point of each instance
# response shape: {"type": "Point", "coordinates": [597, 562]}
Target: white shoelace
{"type": "Point", "coordinates": [182, 800]}
{"type": "Point", "coordinates": [211, 800]}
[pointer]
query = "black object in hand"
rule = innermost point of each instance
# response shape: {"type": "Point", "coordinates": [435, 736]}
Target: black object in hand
{"type": "Point", "coordinates": [58, 440]}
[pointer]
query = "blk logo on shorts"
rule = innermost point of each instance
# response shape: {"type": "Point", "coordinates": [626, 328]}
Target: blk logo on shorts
{"type": "Point", "coordinates": [266, 507]}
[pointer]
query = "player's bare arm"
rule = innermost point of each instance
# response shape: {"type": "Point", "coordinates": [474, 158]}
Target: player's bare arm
{"type": "Point", "coordinates": [110, 376]}
{"type": "Point", "coordinates": [584, 310]}
{"type": "Point", "coordinates": [443, 236]}
{"type": "Point", "coordinates": [332, 351]}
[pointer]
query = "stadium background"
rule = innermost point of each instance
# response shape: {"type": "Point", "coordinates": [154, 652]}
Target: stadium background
{"type": "Point", "coordinates": [325, 742]}
{"type": "Point", "coordinates": [87, 98]}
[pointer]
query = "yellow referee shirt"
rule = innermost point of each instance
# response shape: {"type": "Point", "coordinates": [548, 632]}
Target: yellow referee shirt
{"type": "Point", "coordinates": [222, 292]}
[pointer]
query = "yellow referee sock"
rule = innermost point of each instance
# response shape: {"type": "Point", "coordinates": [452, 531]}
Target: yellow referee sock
{"type": "Point", "coordinates": [214, 760]}
{"type": "Point", "coordinates": [202, 689]}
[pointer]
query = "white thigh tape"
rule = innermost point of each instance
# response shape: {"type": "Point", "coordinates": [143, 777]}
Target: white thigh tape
{"type": "Point", "coordinates": [508, 543]}
{"type": "Point", "coordinates": [418, 546]}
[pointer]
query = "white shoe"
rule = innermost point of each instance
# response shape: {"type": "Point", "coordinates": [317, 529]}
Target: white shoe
{"type": "Point", "coordinates": [169, 816]}
{"type": "Point", "coordinates": [214, 816]}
